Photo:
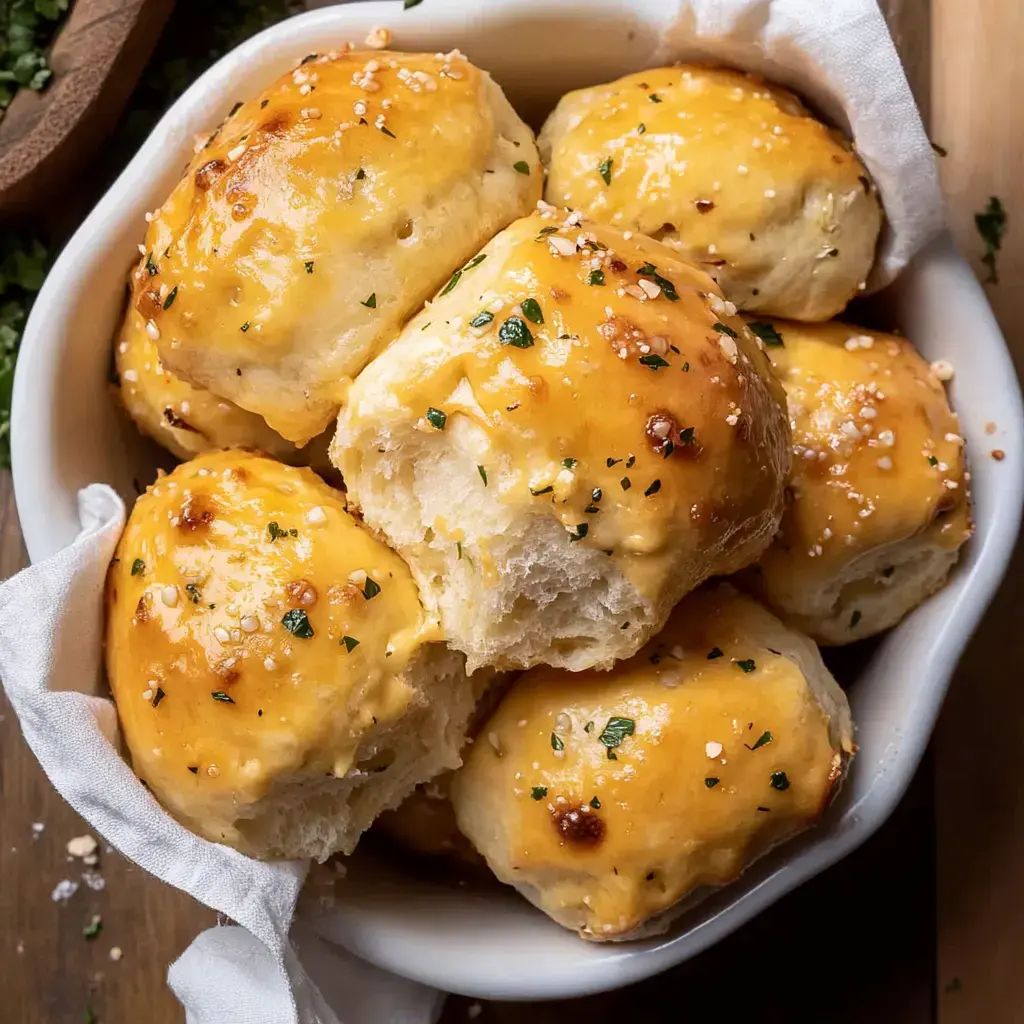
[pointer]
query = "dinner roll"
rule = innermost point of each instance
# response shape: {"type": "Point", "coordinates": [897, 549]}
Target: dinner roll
{"type": "Point", "coordinates": [574, 434]}
{"type": "Point", "coordinates": [184, 419]}
{"type": "Point", "coordinates": [271, 661]}
{"type": "Point", "coordinates": [319, 216]}
{"type": "Point", "coordinates": [733, 173]}
{"type": "Point", "coordinates": [879, 502]}
{"type": "Point", "coordinates": [607, 798]}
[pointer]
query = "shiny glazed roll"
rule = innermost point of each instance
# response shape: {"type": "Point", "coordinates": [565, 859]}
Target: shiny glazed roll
{"type": "Point", "coordinates": [575, 433]}
{"type": "Point", "coordinates": [319, 216]}
{"type": "Point", "coordinates": [271, 661]}
{"type": "Point", "coordinates": [608, 798]}
{"type": "Point", "coordinates": [733, 173]}
{"type": "Point", "coordinates": [879, 502]}
{"type": "Point", "coordinates": [184, 419]}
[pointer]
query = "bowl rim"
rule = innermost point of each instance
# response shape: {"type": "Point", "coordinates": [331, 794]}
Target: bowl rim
{"type": "Point", "coordinates": [35, 478]}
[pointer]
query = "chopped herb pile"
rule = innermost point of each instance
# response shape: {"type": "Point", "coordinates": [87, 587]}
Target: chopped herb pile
{"type": "Point", "coordinates": [539, 792]}
{"type": "Point", "coordinates": [766, 332]}
{"type": "Point", "coordinates": [297, 623]}
{"type": "Point", "coordinates": [616, 730]}
{"type": "Point", "coordinates": [514, 332]}
{"type": "Point", "coordinates": [26, 29]}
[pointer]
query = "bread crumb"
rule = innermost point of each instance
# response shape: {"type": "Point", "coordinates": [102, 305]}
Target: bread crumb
{"type": "Point", "coordinates": [943, 369]}
{"type": "Point", "coordinates": [712, 748]}
{"type": "Point", "coordinates": [990, 428]}
{"type": "Point", "coordinates": [378, 38]}
{"type": "Point", "coordinates": [82, 846]}
{"type": "Point", "coordinates": [115, 953]}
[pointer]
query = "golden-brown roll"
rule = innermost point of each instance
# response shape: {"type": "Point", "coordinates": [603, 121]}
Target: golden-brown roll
{"type": "Point", "coordinates": [568, 439]}
{"type": "Point", "coordinates": [319, 216]}
{"type": "Point", "coordinates": [608, 798]}
{"type": "Point", "coordinates": [184, 419]}
{"type": "Point", "coordinates": [271, 661]}
{"type": "Point", "coordinates": [878, 494]}
{"type": "Point", "coordinates": [733, 173]}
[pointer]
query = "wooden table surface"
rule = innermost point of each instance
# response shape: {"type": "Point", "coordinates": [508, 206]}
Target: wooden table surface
{"type": "Point", "coordinates": [923, 923]}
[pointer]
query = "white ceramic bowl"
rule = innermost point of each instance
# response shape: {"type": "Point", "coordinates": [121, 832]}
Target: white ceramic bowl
{"type": "Point", "coordinates": [66, 433]}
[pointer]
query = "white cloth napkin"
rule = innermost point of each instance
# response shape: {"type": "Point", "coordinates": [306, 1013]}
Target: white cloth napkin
{"type": "Point", "coordinates": [51, 634]}
{"type": "Point", "coordinates": [839, 54]}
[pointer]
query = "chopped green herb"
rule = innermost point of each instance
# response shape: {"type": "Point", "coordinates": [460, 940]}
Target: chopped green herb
{"type": "Point", "coordinates": [297, 623]}
{"type": "Point", "coordinates": [385, 130]}
{"type": "Point", "coordinates": [411, 3]}
{"type": "Point", "coordinates": [596, 494]}
{"type": "Point", "coordinates": [157, 697]}
{"type": "Point", "coordinates": [766, 332]}
{"type": "Point", "coordinates": [589, 727]}
{"type": "Point", "coordinates": [625, 483]}
{"type": "Point", "coordinates": [654, 361]}
{"type": "Point", "coordinates": [244, 327]}
{"type": "Point", "coordinates": [653, 489]}
{"type": "Point", "coordinates": [612, 756]}
{"type": "Point", "coordinates": [556, 742]}
{"type": "Point", "coordinates": [138, 567]}
{"type": "Point", "coordinates": [686, 435]}
{"type": "Point", "coordinates": [483, 474]}
{"type": "Point", "coordinates": [616, 731]}
{"type": "Point", "coordinates": [475, 261]}
{"type": "Point", "coordinates": [765, 737]}
{"type": "Point", "coordinates": [549, 230]}
{"type": "Point", "coordinates": [765, 809]}
{"type": "Point", "coordinates": [481, 319]}
{"type": "Point", "coordinates": [350, 642]}
{"type": "Point", "coordinates": [686, 367]}
{"type": "Point", "coordinates": [275, 531]}
{"type": "Point", "coordinates": [458, 547]}
{"type": "Point", "coordinates": [521, 166]}
{"type": "Point", "coordinates": [711, 782]}
{"type": "Point", "coordinates": [940, 150]}
{"type": "Point", "coordinates": [264, 104]}
{"type": "Point", "coordinates": [625, 625]}
{"type": "Point", "coordinates": [932, 461]}
{"type": "Point", "coordinates": [595, 803]}
{"type": "Point", "coordinates": [569, 463]}
{"type": "Point", "coordinates": [668, 289]}
{"type": "Point", "coordinates": [514, 332]}
{"type": "Point", "coordinates": [640, 128]}
{"type": "Point", "coordinates": [581, 532]}
{"type": "Point", "coordinates": [855, 618]}
{"type": "Point", "coordinates": [436, 418]}
{"type": "Point", "coordinates": [360, 174]}
{"type": "Point", "coordinates": [93, 928]}
{"type": "Point", "coordinates": [371, 302]}
{"type": "Point", "coordinates": [371, 588]}
{"type": "Point", "coordinates": [539, 792]}
{"type": "Point", "coordinates": [171, 296]}
{"type": "Point", "coordinates": [595, 277]}
{"type": "Point", "coordinates": [611, 462]}
{"type": "Point", "coordinates": [715, 652]}
{"type": "Point", "coordinates": [452, 282]}
{"type": "Point", "coordinates": [780, 781]}
{"type": "Point", "coordinates": [954, 985]}
{"type": "Point", "coordinates": [591, 509]}
{"type": "Point", "coordinates": [654, 97]}
{"type": "Point", "coordinates": [90, 1016]}
{"type": "Point", "coordinates": [309, 266]}
{"type": "Point", "coordinates": [991, 225]}
{"type": "Point", "coordinates": [151, 266]}
{"type": "Point", "coordinates": [605, 170]}
{"type": "Point", "coordinates": [193, 592]}
{"type": "Point", "coordinates": [543, 490]}
{"type": "Point", "coordinates": [532, 311]}
{"type": "Point", "coordinates": [724, 329]}
{"type": "Point", "coordinates": [222, 697]}
{"type": "Point", "coordinates": [747, 665]}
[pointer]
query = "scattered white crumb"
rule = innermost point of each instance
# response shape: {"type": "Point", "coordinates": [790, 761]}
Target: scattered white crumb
{"type": "Point", "coordinates": [37, 828]}
{"type": "Point", "coordinates": [94, 881]}
{"type": "Point", "coordinates": [712, 748]}
{"type": "Point", "coordinates": [82, 846]}
{"type": "Point", "coordinates": [64, 891]}
{"type": "Point", "coordinates": [115, 953]}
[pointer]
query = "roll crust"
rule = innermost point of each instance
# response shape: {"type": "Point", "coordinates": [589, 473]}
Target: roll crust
{"type": "Point", "coordinates": [608, 798]}
{"type": "Point", "coordinates": [318, 216]}
{"type": "Point", "coordinates": [733, 173]}
{"type": "Point", "coordinates": [575, 433]}
{"type": "Point", "coordinates": [878, 494]}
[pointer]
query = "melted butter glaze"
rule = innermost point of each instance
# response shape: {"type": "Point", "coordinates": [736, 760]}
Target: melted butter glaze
{"type": "Point", "coordinates": [261, 264]}
{"type": "Point", "coordinates": [648, 432]}
{"type": "Point", "coordinates": [694, 792]}
{"type": "Point", "coordinates": [877, 453]}
{"type": "Point", "coordinates": [196, 599]}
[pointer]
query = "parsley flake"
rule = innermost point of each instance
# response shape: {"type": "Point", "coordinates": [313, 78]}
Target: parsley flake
{"type": "Point", "coordinates": [724, 329]}
{"type": "Point", "coordinates": [138, 567]}
{"type": "Point", "coordinates": [275, 531]}
{"type": "Point", "coordinates": [616, 731]}
{"type": "Point", "coordinates": [581, 532]}
{"type": "Point", "coordinates": [309, 266]}
{"type": "Point", "coordinates": [151, 266]}
{"type": "Point", "coordinates": [654, 97]}
{"type": "Point", "coordinates": [385, 130]}
{"type": "Point", "coordinates": [157, 697]}
{"type": "Point", "coordinates": [653, 489]}
{"type": "Point", "coordinates": [654, 361]}
{"type": "Point", "coordinates": [371, 302]}
{"type": "Point", "coordinates": [855, 618]}
{"type": "Point", "coordinates": [765, 737]}
{"type": "Point", "coordinates": [514, 332]}
{"type": "Point", "coordinates": [483, 474]}
{"type": "Point", "coordinates": [244, 327]}
{"type": "Point", "coordinates": [711, 781]}
{"type": "Point", "coordinates": [171, 296]}
{"type": "Point", "coordinates": [595, 803]}
{"type": "Point", "coordinates": [766, 332]}
{"type": "Point", "coordinates": [605, 170]}
{"type": "Point", "coordinates": [93, 928]}
{"type": "Point", "coordinates": [360, 174]}
{"type": "Point", "coordinates": [481, 319]}
{"type": "Point", "coordinates": [521, 166]}
{"type": "Point", "coordinates": [350, 642]}
{"type": "Point", "coordinates": [539, 792]}
{"type": "Point", "coordinates": [371, 588]}
{"type": "Point", "coordinates": [436, 418]}
{"type": "Point", "coordinates": [780, 781]}
{"type": "Point", "coordinates": [532, 311]}
{"type": "Point", "coordinates": [411, 3]}
{"type": "Point", "coordinates": [641, 128]}
{"type": "Point", "coordinates": [452, 282]}
{"type": "Point", "coordinates": [297, 623]}
{"type": "Point", "coordinates": [611, 462]}
{"type": "Point", "coordinates": [222, 697]}
{"type": "Point", "coordinates": [569, 463]}
{"type": "Point", "coordinates": [556, 742]}
{"type": "Point", "coordinates": [715, 652]}
{"type": "Point", "coordinates": [932, 461]}
{"type": "Point", "coordinates": [595, 277]}
{"type": "Point", "coordinates": [543, 490]}
{"type": "Point", "coordinates": [747, 665]}
{"type": "Point", "coordinates": [991, 225]}
{"type": "Point", "coordinates": [668, 289]}
{"type": "Point", "coordinates": [589, 727]}
{"type": "Point", "coordinates": [625, 483]}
